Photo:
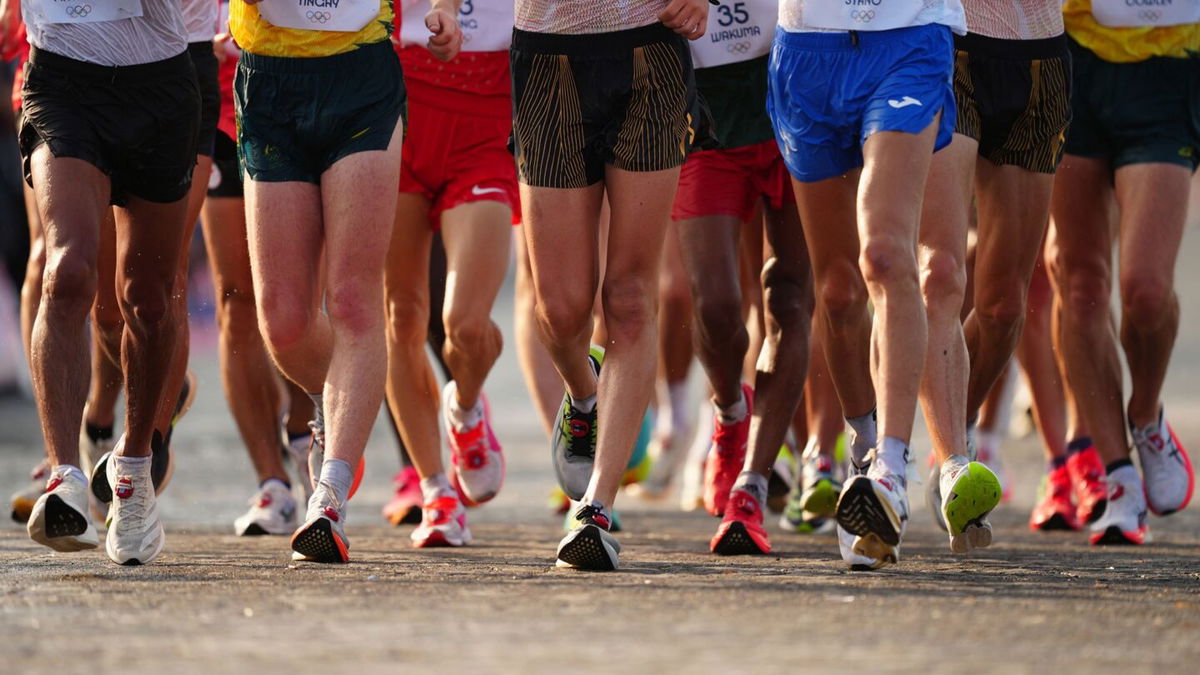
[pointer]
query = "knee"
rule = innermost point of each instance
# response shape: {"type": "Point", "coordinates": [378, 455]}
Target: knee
{"type": "Point", "coordinates": [943, 284]}
{"type": "Point", "coordinates": [1146, 300]}
{"type": "Point", "coordinates": [69, 282]}
{"type": "Point", "coordinates": [888, 262]}
{"type": "Point", "coordinates": [470, 334]}
{"type": "Point", "coordinates": [719, 315]}
{"type": "Point", "coordinates": [146, 301]}
{"type": "Point", "coordinates": [563, 315]}
{"type": "Point", "coordinates": [841, 291]}
{"type": "Point", "coordinates": [1083, 284]}
{"type": "Point", "coordinates": [630, 306]}
{"type": "Point", "coordinates": [1001, 307]}
{"type": "Point", "coordinates": [407, 320]}
{"type": "Point", "coordinates": [284, 319]}
{"type": "Point", "coordinates": [354, 307]}
{"type": "Point", "coordinates": [787, 294]}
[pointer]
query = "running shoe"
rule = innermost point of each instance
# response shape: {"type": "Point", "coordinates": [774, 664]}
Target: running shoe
{"type": "Point", "coordinates": [846, 540]}
{"type": "Point", "coordinates": [322, 537]}
{"type": "Point", "coordinates": [59, 516]}
{"type": "Point", "coordinates": [92, 449]}
{"type": "Point", "coordinates": [23, 500]}
{"type": "Point", "coordinates": [933, 492]}
{"type": "Point", "coordinates": [1087, 475]}
{"type": "Point", "coordinates": [405, 507]}
{"type": "Point", "coordinates": [1124, 519]}
{"type": "Point", "coordinates": [475, 455]}
{"type": "Point", "coordinates": [796, 519]}
{"type": "Point", "coordinates": [443, 523]}
{"type": "Point", "coordinates": [874, 508]}
{"type": "Point", "coordinates": [726, 457]}
{"type": "Point", "coordinates": [780, 480]}
{"type": "Point", "coordinates": [1166, 467]}
{"type": "Point", "coordinates": [135, 534]}
{"type": "Point", "coordinates": [970, 491]}
{"type": "Point", "coordinates": [272, 511]}
{"type": "Point", "coordinates": [589, 545]}
{"type": "Point", "coordinates": [1055, 510]}
{"type": "Point", "coordinates": [297, 454]}
{"type": "Point", "coordinates": [819, 489]}
{"type": "Point", "coordinates": [162, 464]}
{"type": "Point", "coordinates": [573, 447]}
{"type": "Point", "coordinates": [741, 530]}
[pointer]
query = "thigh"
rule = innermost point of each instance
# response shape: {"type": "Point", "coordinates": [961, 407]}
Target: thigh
{"type": "Point", "coordinates": [150, 241]}
{"type": "Point", "coordinates": [478, 240]}
{"type": "Point", "coordinates": [709, 247]}
{"type": "Point", "coordinates": [224, 223]}
{"type": "Point", "coordinates": [890, 194]}
{"type": "Point", "coordinates": [285, 236]}
{"type": "Point", "coordinates": [562, 239]}
{"type": "Point", "coordinates": [640, 204]}
{"type": "Point", "coordinates": [1014, 208]}
{"type": "Point", "coordinates": [72, 199]}
{"type": "Point", "coordinates": [1082, 207]}
{"type": "Point", "coordinates": [827, 216]}
{"type": "Point", "coordinates": [948, 190]}
{"type": "Point", "coordinates": [407, 269]}
{"type": "Point", "coordinates": [1153, 204]}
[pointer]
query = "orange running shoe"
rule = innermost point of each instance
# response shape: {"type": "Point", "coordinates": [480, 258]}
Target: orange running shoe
{"type": "Point", "coordinates": [741, 531]}
{"type": "Point", "coordinates": [726, 456]}
{"type": "Point", "coordinates": [1087, 476]}
{"type": "Point", "coordinates": [1055, 510]}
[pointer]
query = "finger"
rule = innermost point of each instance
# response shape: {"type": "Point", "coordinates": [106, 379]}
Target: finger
{"type": "Point", "coordinates": [433, 22]}
{"type": "Point", "coordinates": [671, 11]}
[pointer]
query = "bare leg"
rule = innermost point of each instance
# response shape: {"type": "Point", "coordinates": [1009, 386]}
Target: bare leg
{"type": "Point", "coordinates": [545, 387]}
{"type": "Point", "coordinates": [1036, 354]}
{"type": "Point", "coordinates": [108, 327]}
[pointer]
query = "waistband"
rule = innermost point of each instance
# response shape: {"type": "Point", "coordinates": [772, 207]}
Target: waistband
{"type": "Point", "coordinates": [1015, 50]}
{"type": "Point", "coordinates": [177, 65]}
{"type": "Point", "coordinates": [596, 45]}
{"type": "Point", "coordinates": [365, 56]}
{"type": "Point", "coordinates": [854, 39]}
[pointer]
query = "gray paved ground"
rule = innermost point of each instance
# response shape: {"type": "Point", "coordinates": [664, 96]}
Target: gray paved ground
{"type": "Point", "coordinates": [216, 603]}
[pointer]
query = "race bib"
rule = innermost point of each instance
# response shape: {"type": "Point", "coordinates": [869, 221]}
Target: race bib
{"type": "Point", "coordinates": [339, 16]}
{"type": "Point", "coordinates": [486, 24]}
{"type": "Point", "coordinates": [1142, 13]}
{"type": "Point", "coordinates": [862, 14]}
{"type": "Point", "coordinates": [87, 11]}
{"type": "Point", "coordinates": [737, 31]}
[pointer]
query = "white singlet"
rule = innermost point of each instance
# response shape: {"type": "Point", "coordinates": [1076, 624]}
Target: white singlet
{"type": "Point", "coordinates": [200, 17]}
{"type": "Point", "coordinates": [572, 17]}
{"type": "Point", "coordinates": [109, 33]}
{"type": "Point", "coordinates": [1145, 13]}
{"type": "Point", "coordinates": [486, 24]}
{"type": "Point", "coordinates": [738, 30]}
{"type": "Point", "coordinates": [870, 15]}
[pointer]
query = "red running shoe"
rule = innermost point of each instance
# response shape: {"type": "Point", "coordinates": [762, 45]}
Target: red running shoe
{"type": "Point", "coordinates": [1055, 510]}
{"type": "Point", "coordinates": [475, 454]}
{"type": "Point", "coordinates": [1091, 490]}
{"type": "Point", "coordinates": [741, 531]}
{"type": "Point", "coordinates": [725, 457]}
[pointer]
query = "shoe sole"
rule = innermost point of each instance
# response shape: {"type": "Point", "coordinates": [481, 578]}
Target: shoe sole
{"type": "Point", "coordinates": [822, 499]}
{"type": "Point", "coordinates": [134, 562]}
{"type": "Point", "coordinates": [1055, 523]}
{"type": "Point", "coordinates": [60, 527]}
{"type": "Point", "coordinates": [586, 549]}
{"type": "Point", "coordinates": [409, 516]}
{"type": "Point", "coordinates": [973, 536]}
{"type": "Point", "coordinates": [22, 508]}
{"type": "Point", "coordinates": [973, 496]}
{"type": "Point", "coordinates": [1113, 536]}
{"type": "Point", "coordinates": [861, 512]}
{"type": "Point", "coordinates": [1096, 513]}
{"type": "Point", "coordinates": [319, 543]}
{"type": "Point", "coordinates": [872, 546]}
{"type": "Point", "coordinates": [437, 539]}
{"type": "Point", "coordinates": [736, 540]}
{"type": "Point", "coordinates": [253, 530]}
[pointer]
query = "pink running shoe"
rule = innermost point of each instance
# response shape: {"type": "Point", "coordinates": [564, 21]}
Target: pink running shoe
{"type": "Point", "coordinates": [476, 455]}
{"type": "Point", "coordinates": [443, 523]}
{"type": "Point", "coordinates": [405, 507]}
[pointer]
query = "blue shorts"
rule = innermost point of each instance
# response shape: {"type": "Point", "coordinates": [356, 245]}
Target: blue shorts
{"type": "Point", "coordinates": [828, 92]}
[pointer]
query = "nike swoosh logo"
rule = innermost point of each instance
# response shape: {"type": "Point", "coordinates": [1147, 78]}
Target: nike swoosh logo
{"type": "Point", "coordinates": [478, 191]}
{"type": "Point", "coordinates": [903, 103]}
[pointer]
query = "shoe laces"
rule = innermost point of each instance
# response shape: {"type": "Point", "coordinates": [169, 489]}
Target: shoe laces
{"type": "Point", "coordinates": [582, 445]}
{"type": "Point", "coordinates": [470, 448]}
{"type": "Point", "coordinates": [318, 434]}
{"type": "Point", "coordinates": [135, 505]}
{"type": "Point", "coordinates": [594, 515]}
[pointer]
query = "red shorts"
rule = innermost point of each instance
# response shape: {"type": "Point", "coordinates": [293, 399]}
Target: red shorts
{"type": "Point", "coordinates": [454, 158]}
{"type": "Point", "coordinates": [730, 182]}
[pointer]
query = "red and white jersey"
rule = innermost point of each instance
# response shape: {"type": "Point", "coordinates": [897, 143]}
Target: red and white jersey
{"type": "Point", "coordinates": [487, 25]}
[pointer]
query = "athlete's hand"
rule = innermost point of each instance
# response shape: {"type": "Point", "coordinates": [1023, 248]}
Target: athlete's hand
{"type": "Point", "coordinates": [447, 36]}
{"type": "Point", "coordinates": [689, 18]}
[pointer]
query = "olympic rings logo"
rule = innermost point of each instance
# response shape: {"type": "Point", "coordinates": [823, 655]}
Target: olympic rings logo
{"type": "Point", "coordinates": [318, 17]}
{"type": "Point", "coordinates": [738, 47]}
{"type": "Point", "coordinates": [78, 11]}
{"type": "Point", "coordinates": [863, 15]}
{"type": "Point", "coordinates": [1151, 15]}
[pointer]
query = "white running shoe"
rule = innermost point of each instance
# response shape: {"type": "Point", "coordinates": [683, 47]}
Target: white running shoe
{"type": "Point", "coordinates": [297, 452]}
{"type": "Point", "coordinates": [272, 511]}
{"type": "Point", "coordinates": [933, 494]}
{"type": "Point", "coordinates": [846, 540]}
{"type": "Point", "coordinates": [59, 518]}
{"type": "Point", "coordinates": [475, 454]}
{"type": "Point", "coordinates": [322, 537]}
{"type": "Point", "coordinates": [443, 523]}
{"type": "Point", "coordinates": [91, 451]}
{"type": "Point", "coordinates": [971, 492]}
{"type": "Point", "coordinates": [1124, 519]}
{"type": "Point", "coordinates": [1166, 466]}
{"type": "Point", "coordinates": [135, 534]}
{"type": "Point", "coordinates": [874, 507]}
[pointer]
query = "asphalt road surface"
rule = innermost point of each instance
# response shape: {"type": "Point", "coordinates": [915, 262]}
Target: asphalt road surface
{"type": "Point", "coordinates": [217, 603]}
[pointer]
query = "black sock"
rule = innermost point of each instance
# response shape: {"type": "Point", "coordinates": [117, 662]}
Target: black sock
{"type": "Point", "coordinates": [1118, 464]}
{"type": "Point", "coordinates": [1079, 444]}
{"type": "Point", "coordinates": [97, 433]}
{"type": "Point", "coordinates": [1058, 463]}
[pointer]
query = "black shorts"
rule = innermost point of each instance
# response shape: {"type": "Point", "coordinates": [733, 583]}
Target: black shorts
{"type": "Point", "coordinates": [1014, 97]}
{"type": "Point", "coordinates": [205, 62]}
{"type": "Point", "coordinates": [582, 102]}
{"type": "Point", "coordinates": [297, 116]}
{"type": "Point", "coordinates": [226, 178]}
{"type": "Point", "coordinates": [137, 124]}
{"type": "Point", "coordinates": [1135, 113]}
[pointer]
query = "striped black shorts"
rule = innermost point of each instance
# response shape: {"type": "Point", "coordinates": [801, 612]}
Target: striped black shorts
{"type": "Point", "coordinates": [581, 102]}
{"type": "Point", "coordinates": [1014, 97]}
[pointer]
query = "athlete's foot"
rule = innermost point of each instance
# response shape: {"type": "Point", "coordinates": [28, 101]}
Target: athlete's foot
{"type": "Point", "coordinates": [297, 453]}
{"type": "Point", "coordinates": [846, 540]}
{"type": "Point", "coordinates": [573, 446]}
{"type": "Point", "coordinates": [970, 491]}
{"type": "Point", "coordinates": [819, 488]}
{"type": "Point", "coordinates": [1124, 519]}
{"type": "Point", "coordinates": [874, 508]}
{"type": "Point", "coordinates": [58, 517]}
{"type": "Point", "coordinates": [22, 501]}
{"type": "Point", "coordinates": [475, 454]}
{"type": "Point", "coordinates": [162, 464]}
{"type": "Point", "coordinates": [1055, 510]}
{"type": "Point", "coordinates": [405, 506]}
{"type": "Point", "coordinates": [272, 511]}
{"type": "Point", "coordinates": [135, 534]}
{"type": "Point", "coordinates": [443, 523]}
{"type": "Point", "coordinates": [1166, 467]}
{"type": "Point", "coordinates": [1087, 475]}
{"type": "Point", "coordinates": [741, 530]}
{"type": "Point", "coordinates": [725, 458]}
{"type": "Point", "coordinates": [589, 545]}
{"type": "Point", "coordinates": [322, 537]}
